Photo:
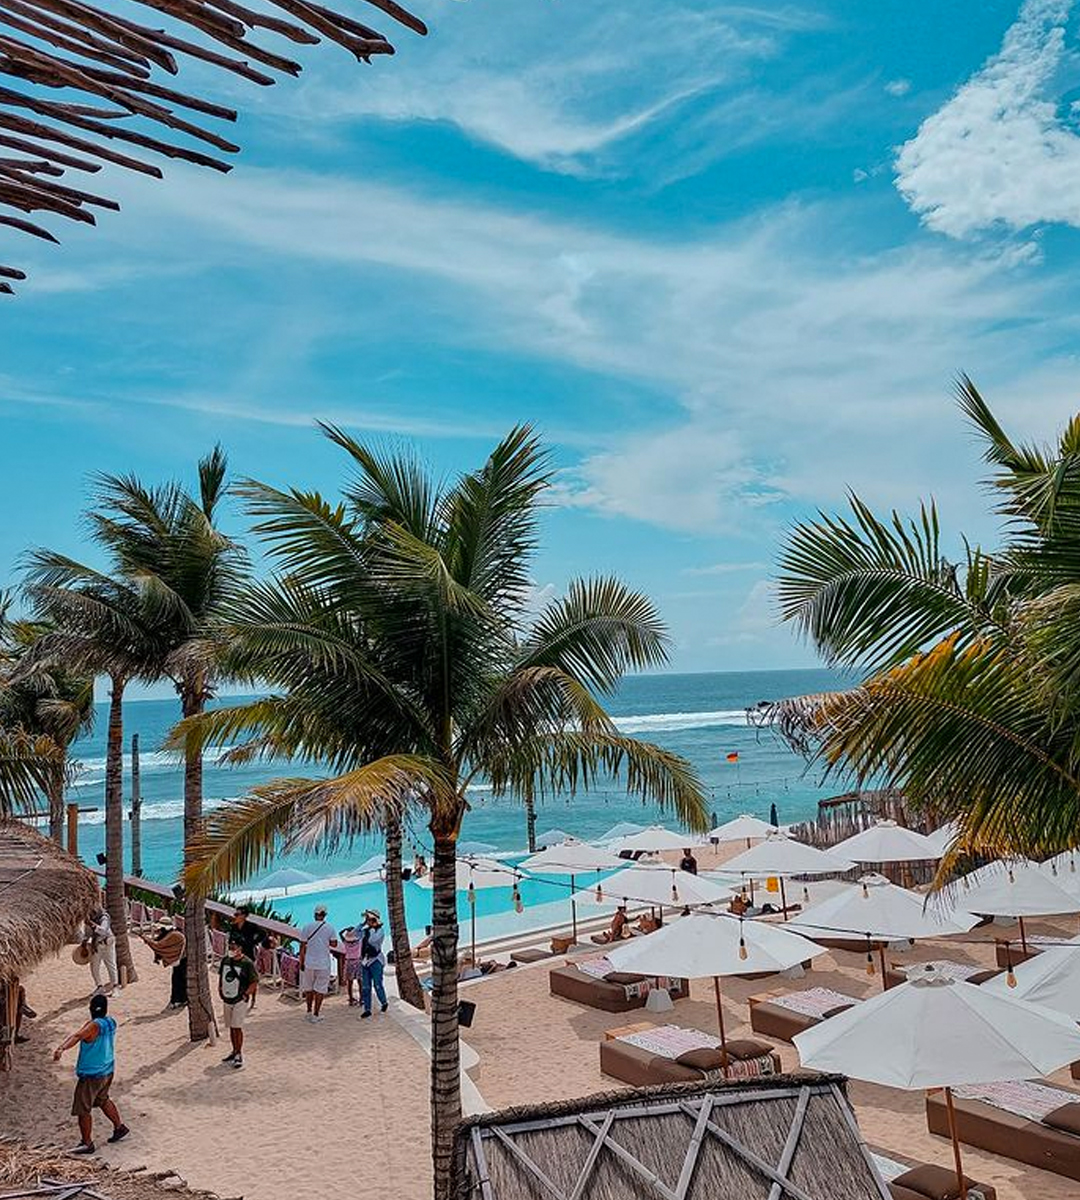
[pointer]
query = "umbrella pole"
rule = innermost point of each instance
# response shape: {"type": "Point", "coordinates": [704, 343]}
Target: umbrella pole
{"type": "Point", "coordinates": [472, 922]}
{"type": "Point", "coordinates": [960, 1182]}
{"type": "Point", "coordinates": [573, 910]}
{"type": "Point", "coordinates": [1023, 937]}
{"type": "Point", "coordinates": [881, 954]}
{"type": "Point", "coordinates": [783, 898]}
{"type": "Point", "coordinates": [720, 1020]}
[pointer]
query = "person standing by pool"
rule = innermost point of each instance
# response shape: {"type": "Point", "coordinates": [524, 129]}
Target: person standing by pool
{"type": "Point", "coordinates": [94, 1074]}
{"type": "Point", "coordinates": [688, 862]}
{"type": "Point", "coordinates": [372, 961]}
{"type": "Point", "coordinates": [317, 939]}
{"type": "Point", "coordinates": [350, 939]}
{"type": "Point", "coordinates": [238, 981]}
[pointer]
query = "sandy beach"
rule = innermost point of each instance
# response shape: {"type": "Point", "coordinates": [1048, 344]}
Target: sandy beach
{"type": "Point", "coordinates": [318, 1105]}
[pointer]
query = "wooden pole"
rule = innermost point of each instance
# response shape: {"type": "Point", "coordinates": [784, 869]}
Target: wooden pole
{"type": "Point", "coordinates": [1023, 937]}
{"type": "Point", "coordinates": [136, 809]}
{"type": "Point", "coordinates": [573, 909]}
{"type": "Point", "coordinates": [881, 953]}
{"type": "Point", "coordinates": [961, 1183]}
{"type": "Point", "coordinates": [720, 1021]}
{"type": "Point", "coordinates": [783, 898]}
{"type": "Point", "coordinates": [73, 830]}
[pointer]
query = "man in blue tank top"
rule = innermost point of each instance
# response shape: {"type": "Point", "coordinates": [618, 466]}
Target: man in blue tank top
{"type": "Point", "coordinates": [94, 1074]}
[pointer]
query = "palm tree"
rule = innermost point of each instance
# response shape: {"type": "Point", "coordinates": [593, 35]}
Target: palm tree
{"type": "Point", "coordinates": [97, 625]}
{"type": "Point", "coordinates": [155, 619]}
{"type": "Point", "coordinates": [970, 697]}
{"type": "Point", "coordinates": [46, 699]}
{"type": "Point", "coordinates": [398, 621]}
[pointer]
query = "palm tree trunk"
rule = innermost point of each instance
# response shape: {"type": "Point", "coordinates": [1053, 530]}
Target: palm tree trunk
{"type": "Point", "coordinates": [114, 831]}
{"type": "Point", "coordinates": [445, 1050]}
{"type": "Point", "coordinates": [200, 1002]}
{"type": "Point", "coordinates": [530, 823]}
{"type": "Point", "coordinates": [55, 795]}
{"type": "Point", "coordinates": [408, 982]}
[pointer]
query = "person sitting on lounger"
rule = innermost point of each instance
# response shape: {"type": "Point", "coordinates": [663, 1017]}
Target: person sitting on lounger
{"type": "Point", "coordinates": [739, 905]}
{"type": "Point", "coordinates": [647, 924]}
{"type": "Point", "coordinates": [620, 928]}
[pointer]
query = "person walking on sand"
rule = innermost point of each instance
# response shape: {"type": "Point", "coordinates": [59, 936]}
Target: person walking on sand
{"type": "Point", "coordinates": [350, 940]}
{"type": "Point", "coordinates": [101, 943]}
{"type": "Point", "coordinates": [238, 982]}
{"type": "Point", "coordinates": [372, 961]}
{"type": "Point", "coordinates": [94, 1074]}
{"type": "Point", "coordinates": [317, 939]}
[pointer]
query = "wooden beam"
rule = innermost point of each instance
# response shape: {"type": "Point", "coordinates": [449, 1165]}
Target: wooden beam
{"type": "Point", "coordinates": [791, 1144]}
{"type": "Point", "coordinates": [594, 1153]}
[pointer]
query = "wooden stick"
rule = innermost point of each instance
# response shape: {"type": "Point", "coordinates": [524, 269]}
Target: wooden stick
{"type": "Point", "coordinates": [720, 1021]}
{"type": "Point", "coordinates": [125, 33]}
{"type": "Point", "coordinates": [68, 37]}
{"type": "Point", "coordinates": [79, 164]}
{"type": "Point", "coordinates": [961, 1182]}
{"type": "Point", "coordinates": [72, 194]}
{"type": "Point", "coordinates": [49, 134]}
{"type": "Point", "coordinates": [11, 273]}
{"type": "Point", "coordinates": [162, 93]}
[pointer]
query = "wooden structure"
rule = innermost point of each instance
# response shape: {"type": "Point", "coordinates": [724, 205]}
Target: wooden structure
{"type": "Point", "coordinates": [108, 67]}
{"type": "Point", "coordinates": [44, 896]}
{"type": "Point", "coordinates": [781, 1138]}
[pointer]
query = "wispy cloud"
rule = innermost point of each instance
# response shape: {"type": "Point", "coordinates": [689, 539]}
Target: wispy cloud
{"type": "Point", "coordinates": [726, 568]}
{"type": "Point", "coordinates": [1002, 152]}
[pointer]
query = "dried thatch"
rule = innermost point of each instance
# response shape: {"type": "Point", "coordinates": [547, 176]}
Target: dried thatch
{"type": "Point", "coordinates": [44, 895]}
{"type": "Point", "coordinates": [103, 55]}
{"type": "Point", "coordinates": [783, 1138]}
{"type": "Point", "coordinates": [23, 1168]}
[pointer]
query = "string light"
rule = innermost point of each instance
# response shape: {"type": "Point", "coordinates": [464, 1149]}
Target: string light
{"type": "Point", "coordinates": [1011, 878]}
{"type": "Point", "coordinates": [742, 942]}
{"type": "Point", "coordinates": [599, 894]}
{"type": "Point", "coordinates": [674, 889]}
{"type": "Point", "coordinates": [865, 890]}
{"type": "Point", "coordinates": [519, 904]}
{"type": "Point", "coordinates": [472, 894]}
{"type": "Point", "coordinates": [1010, 977]}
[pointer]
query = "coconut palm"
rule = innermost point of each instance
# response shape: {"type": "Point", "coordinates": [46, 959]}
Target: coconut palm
{"type": "Point", "coordinates": [398, 620]}
{"type": "Point", "coordinates": [173, 569]}
{"type": "Point", "coordinates": [970, 698]}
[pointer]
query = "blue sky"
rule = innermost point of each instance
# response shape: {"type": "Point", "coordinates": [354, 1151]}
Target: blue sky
{"type": "Point", "coordinates": [728, 257]}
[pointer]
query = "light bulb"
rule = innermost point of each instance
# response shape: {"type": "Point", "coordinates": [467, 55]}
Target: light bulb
{"type": "Point", "coordinates": [472, 893]}
{"type": "Point", "coordinates": [869, 957]}
{"type": "Point", "coordinates": [1053, 870]}
{"type": "Point", "coordinates": [599, 894]}
{"type": "Point", "coordinates": [806, 894]}
{"type": "Point", "coordinates": [865, 891]}
{"type": "Point", "coordinates": [1010, 978]}
{"type": "Point", "coordinates": [1011, 877]}
{"type": "Point", "coordinates": [674, 893]}
{"type": "Point", "coordinates": [519, 906]}
{"type": "Point", "coordinates": [742, 950]}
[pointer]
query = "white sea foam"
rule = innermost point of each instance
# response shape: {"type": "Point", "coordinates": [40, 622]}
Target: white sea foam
{"type": "Point", "coordinates": [163, 810]}
{"type": "Point", "coordinates": [90, 769]}
{"type": "Point", "coordinates": [673, 722]}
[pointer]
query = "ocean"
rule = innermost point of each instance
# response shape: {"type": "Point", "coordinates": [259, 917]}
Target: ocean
{"type": "Point", "coordinates": [700, 716]}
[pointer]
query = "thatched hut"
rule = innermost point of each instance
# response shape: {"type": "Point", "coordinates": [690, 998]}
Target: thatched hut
{"type": "Point", "coordinates": [779, 1138]}
{"type": "Point", "coordinates": [44, 896]}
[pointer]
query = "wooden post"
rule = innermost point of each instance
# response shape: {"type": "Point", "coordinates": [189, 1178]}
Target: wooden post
{"type": "Point", "coordinates": [720, 1020]}
{"type": "Point", "coordinates": [961, 1183]}
{"type": "Point", "coordinates": [73, 830]}
{"type": "Point", "coordinates": [783, 898]}
{"type": "Point", "coordinates": [884, 968]}
{"type": "Point", "coordinates": [136, 809]}
{"type": "Point", "coordinates": [1023, 937]}
{"type": "Point", "coordinates": [573, 909]}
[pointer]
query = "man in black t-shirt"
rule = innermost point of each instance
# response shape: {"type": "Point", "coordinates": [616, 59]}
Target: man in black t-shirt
{"type": "Point", "coordinates": [250, 935]}
{"type": "Point", "coordinates": [688, 862]}
{"type": "Point", "coordinates": [238, 981]}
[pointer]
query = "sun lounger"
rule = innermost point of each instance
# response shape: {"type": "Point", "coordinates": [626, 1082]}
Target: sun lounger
{"type": "Point", "coordinates": [651, 1056]}
{"type": "Point", "coordinates": [596, 983]}
{"type": "Point", "coordinates": [266, 963]}
{"type": "Point", "coordinates": [289, 969]}
{"type": "Point", "coordinates": [965, 972]}
{"type": "Point", "coordinates": [219, 944]}
{"type": "Point", "coordinates": [784, 1014]}
{"type": "Point", "coordinates": [1010, 1119]}
{"type": "Point", "coordinates": [532, 955]}
{"type": "Point", "coordinates": [925, 1181]}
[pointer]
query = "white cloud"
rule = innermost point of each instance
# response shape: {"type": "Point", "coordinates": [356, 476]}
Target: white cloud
{"type": "Point", "coordinates": [725, 568]}
{"type": "Point", "coordinates": [898, 87]}
{"type": "Point", "coordinates": [1001, 152]}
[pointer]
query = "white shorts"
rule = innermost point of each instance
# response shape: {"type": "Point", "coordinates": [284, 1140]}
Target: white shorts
{"type": "Point", "coordinates": [235, 1014]}
{"type": "Point", "coordinates": [313, 980]}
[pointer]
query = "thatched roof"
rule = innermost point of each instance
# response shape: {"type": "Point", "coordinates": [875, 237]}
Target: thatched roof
{"type": "Point", "coordinates": [23, 1168]}
{"type": "Point", "coordinates": [44, 895]}
{"type": "Point", "coordinates": [109, 66]}
{"type": "Point", "coordinates": [781, 1138]}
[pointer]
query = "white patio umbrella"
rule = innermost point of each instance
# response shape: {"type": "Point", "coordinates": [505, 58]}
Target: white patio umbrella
{"type": "Point", "coordinates": [1011, 889]}
{"type": "Point", "coordinates": [782, 856]}
{"type": "Point", "coordinates": [1064, 870]}
{"type": "Point", "coordinates": [936, 1032]}
{"type": "Point", "coordinates": [472, 875]}
{"type": "Point", "coordinates": [620, 830]}
{"type": "Point", "coordinates": [553, 837]}
{"type": "Point", "coordinates": [704, 945]}
{"type": "Point", "coordinates": [880, 911]}
{"type": "Point", "coordinates": [1051, 979]}
{"type": "Point", "coordinates": [887, 842]}
{"type": "Point", "coordinates": [284, 879]}
{"type": "Point", "coordinates": [471, 849]}
{"type": "Point", "coordinates": [655, 883]}
{"type": "Point", "coordinates": [654, 839]}
{"type": "Point", "coordinates": [943, 837]}
{"type": "Point", "coordinates": [372, 866]}
{"type": "Point", "coordinates": [742, 828]}
{"type": "Point", "coordinates": [572, 858]}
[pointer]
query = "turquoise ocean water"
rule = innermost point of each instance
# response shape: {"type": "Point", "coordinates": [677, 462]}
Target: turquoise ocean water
{"type": "Point", "coordinates": [701, 716]}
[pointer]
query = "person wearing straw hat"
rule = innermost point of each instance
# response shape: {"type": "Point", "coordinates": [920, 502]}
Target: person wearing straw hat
{"type": "Point", "coordinates": [170, 950]}
{"type": "Point", "coordinates": [372, 961]}
{"type": "Point", "coordinates": [350, 940]}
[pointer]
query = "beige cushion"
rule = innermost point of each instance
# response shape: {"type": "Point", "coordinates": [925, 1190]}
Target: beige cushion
{"type": "Point", "coordinates": [932, 1182]}
{"type": "Point", "coordinates": [703, 1059]}
{"type": "Point", "coordinates": [623, 978]}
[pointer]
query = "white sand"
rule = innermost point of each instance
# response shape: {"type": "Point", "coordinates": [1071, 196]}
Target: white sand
{"type": "Point", "coordinates": [343, 1103]}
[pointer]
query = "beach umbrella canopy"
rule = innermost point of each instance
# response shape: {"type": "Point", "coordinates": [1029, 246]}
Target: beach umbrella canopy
{"type": "Point", "coordinates": [654, 883]}
{"type": "Point", "coordinates": [1064, 870]}
{"type": "Point", "coordinates": [943, 837]}
{"type": "Point", "coordinates": [879, 910]}
{"type": "Point", "coordinates": [741, 828]}
{"type": "Point", "coordinates": [1011, 889]}
{"type": "Point", "coordinates": [1050, 979]}
{"type": "Point", "coordinates": [620, 830]}
{"type": "Point", "coordinates": [938, 1032]}
{"type": "Point", "coordinates": [654, 839]}
{"type": "Point", "coordinates": [570, 857]}
{"type": "Point", "coordinates": [478, 873]}
{"type": "Point", "coordinates": [553, 837]}
{"type": "Point", "coordinates": [372, 865]}
{"type": "Point", "coordinates": [286, 877]}
{"type": "Point", "coordinates": [887, 842]}
{"type": "Point", "coordinates": [704, 945]}
{"type": "Point", "coordinates": [781, 855]}
{"type": "Point", "coordinates": [475, 848]}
